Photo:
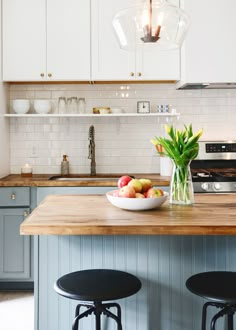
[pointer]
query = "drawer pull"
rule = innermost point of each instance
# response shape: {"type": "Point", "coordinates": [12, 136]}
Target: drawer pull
{"type": "Point", "coordinates": [25, 213]}
{"type": "Point", "coordinates": [13, 196]}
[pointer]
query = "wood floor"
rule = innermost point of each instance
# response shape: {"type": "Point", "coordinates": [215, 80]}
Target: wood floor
{"type": "Point", "coordinates": [16, 310]}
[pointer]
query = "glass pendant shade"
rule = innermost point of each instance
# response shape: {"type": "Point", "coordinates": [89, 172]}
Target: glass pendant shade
{"type": "Point", "coordinates": [155, 22]}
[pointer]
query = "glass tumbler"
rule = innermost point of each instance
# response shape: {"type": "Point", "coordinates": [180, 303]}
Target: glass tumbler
{"type": "Point", "coordinates": [81, 105]}
{"type": "Point", "coordinates": [62, 105]}
{"type": "Point", "coordinates": [72, 104]}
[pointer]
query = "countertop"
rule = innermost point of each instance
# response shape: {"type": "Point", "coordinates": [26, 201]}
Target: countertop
{"type": "Point", "coordinates": [212, 214]}
{"type": "Point", "coordinates": [42, 180]}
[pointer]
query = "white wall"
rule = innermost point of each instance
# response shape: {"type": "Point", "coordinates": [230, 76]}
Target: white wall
{"type": "Point", "coordinates": [4, 124]}
{"type": "Point", "coordinates": [122, 145]}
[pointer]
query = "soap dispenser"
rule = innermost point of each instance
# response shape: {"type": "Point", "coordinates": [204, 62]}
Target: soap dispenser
{"type": "Point", "coordinates": [65, 165]}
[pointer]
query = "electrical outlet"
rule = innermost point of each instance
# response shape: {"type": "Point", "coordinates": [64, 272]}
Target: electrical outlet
{"type": "Point", "coordinates": [34, 151]}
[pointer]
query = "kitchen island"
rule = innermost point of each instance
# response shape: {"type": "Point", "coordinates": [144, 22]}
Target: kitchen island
{"type": "Point", "coordinates": [163, 247]}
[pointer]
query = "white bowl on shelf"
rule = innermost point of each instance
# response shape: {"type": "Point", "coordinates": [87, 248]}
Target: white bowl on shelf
{"type": "Point", "coordinates": [136, 204]}
{"type": "Point", "coordinates": [42, 106]}
{"type": "Point", "coordinates": [21, 106]}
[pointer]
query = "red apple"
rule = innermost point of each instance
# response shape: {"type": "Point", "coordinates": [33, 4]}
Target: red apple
{"type": "Point", "coordinates": [138, 195]}
{"type": "Point", "coordinates": [136, 184]}
{"type": "Point", "coordinates": [127, 192]}
{"type": "Point", "coordinates": [146, 183]}
{"type": "Point", "coordinates": [154, 193]}
{"type": "Point", "coordinates": [123, 181]}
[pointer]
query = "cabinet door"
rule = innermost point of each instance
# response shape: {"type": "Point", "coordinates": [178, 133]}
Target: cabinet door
{"type": "Point", "coordinates": [24, 46]}
{"type": "Point", "coordinates": [68, 39]}
{"type": "Point", "coordinates": [109, 61]}
{"type": "Point", "coordinates": [14, 249]}
{"type": "Point", "coordinates": [209, 51]}
{"type": "Point", "coordinates": [153, 63]}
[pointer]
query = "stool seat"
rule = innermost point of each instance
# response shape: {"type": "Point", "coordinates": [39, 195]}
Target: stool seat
{"type": "Point", "coordinates": [218, 286]}
{"type": "Point", "coordinates": [92, 287]}
{"type": "Point", "coordinates": [97, 285]}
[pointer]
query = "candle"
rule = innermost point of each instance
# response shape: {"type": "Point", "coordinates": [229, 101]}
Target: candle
{"type": "Point", "coordinates": [26, 170]}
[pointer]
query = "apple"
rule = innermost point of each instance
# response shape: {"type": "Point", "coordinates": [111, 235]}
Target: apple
{"type": "Point", "coordinates": [146, 183]}
{"type": "Point", "coordinates": [154, 193]}
{"type": "Point", "coordinates": [139, 195]}
{"type": "Point", "coordinates": [136, 184]}
{"type": "Point", "coordinates": [123, 181]}
{"type": "Point", "coordinates": [127, 192]}
{"type": "Point", "coordinates": [115, 193]}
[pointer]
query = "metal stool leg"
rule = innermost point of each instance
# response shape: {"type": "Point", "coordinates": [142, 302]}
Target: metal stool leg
{"type": "Point", "coordinates": [204, 314]}
{"type": "Point", "coordinates": [98, 320]}
{"type": "Point", "coordinates": [216, 317]}
{"type": "Point", "coordinates": [75, 325]}
{"type": "Point", "coordinates": [231, 321]}
{"type": "Point", "coordinates": [109, 314]}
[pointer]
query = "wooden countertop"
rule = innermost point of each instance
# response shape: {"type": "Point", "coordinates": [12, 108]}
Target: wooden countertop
{"type": "Point", "coordinates": [213, 214]}
{"type": "Point", "coordinates": [42, 180]}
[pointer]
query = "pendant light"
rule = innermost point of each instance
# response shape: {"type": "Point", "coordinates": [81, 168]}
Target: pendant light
{"type": "Point", "coordinates": [153, 22]}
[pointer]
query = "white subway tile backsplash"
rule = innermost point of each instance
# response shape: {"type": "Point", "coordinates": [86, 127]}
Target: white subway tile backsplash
{"type": "Point", "coordinates": [122, 144]}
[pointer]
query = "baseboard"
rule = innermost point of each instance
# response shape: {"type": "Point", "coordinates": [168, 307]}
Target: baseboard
{"type": "Point", "coordinates": [16, 286]}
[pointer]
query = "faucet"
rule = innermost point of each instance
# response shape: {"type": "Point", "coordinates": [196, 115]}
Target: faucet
{"type": "Point", "coordinates": [91, 154]}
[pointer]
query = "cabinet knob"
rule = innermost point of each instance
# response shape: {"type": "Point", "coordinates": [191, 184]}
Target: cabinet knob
{"type": "Point", "coordinates": [140, 74]}
{"type": "Point", "coordinates": [49, 75]}
{"type": "Point", "coordinates": [25, 213]}
{"type": "Point", "coordinates": [13, 196]}
{"type": "Point", "coordinates": [132, 74]}
{"type": "Point", "coordinates": [41, 74]}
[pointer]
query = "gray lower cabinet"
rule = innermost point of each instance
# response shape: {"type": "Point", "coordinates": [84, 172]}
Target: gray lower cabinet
{"type": "Point", "coordinates": [15, 250]}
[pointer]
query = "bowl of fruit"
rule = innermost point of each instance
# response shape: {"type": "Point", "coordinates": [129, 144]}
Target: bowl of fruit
{"type": "Point", "coordinates": [136, 194]}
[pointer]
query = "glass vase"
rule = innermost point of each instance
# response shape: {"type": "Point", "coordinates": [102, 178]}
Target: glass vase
{"type": "Point", "coordinates": [181, 185]}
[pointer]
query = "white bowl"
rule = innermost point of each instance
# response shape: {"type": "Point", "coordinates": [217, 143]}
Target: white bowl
{"type": "Point", "coordinates": [136, 204]}
{"type": "Point", "coordinates": [117, 110]}
{"type": "Point", "coordinates": [21, 106]}
{"type": "Point", "coordinates": [42, 106]}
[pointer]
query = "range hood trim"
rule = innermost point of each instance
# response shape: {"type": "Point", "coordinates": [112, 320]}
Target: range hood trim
{"type": "Point", "coordinates": [194, 86]}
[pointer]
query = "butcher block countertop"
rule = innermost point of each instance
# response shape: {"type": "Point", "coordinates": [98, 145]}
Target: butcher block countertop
{"type": "Point", "coordinates": [213, 214]}
{"type": "Point", "coordinates": [43, 180]}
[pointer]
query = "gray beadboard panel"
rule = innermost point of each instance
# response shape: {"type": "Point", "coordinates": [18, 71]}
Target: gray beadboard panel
{"type": "Point", "coordinates": [163, 263]}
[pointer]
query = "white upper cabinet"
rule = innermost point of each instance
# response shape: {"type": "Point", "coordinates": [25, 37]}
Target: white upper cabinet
{"type": "Point", "coordinates": [209, 51]}
{"type": "Point", "coordinates": [109, 62]}
{"type": "Point", "coordinates": [24, 35]}
{"type": "Point", "coordinates": [46, 40]}
{"type": "Point", "coordinates": [68, 39]}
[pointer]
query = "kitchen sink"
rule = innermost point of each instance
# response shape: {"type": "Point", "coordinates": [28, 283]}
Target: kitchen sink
{"type": "Point", "coordinates": [83, 178]}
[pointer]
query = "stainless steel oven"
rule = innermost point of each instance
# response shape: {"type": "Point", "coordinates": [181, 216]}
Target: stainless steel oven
{"type": "Point", "coordinates": [214, 170]}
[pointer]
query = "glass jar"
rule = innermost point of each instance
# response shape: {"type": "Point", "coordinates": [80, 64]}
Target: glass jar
{"type": "Point", "coordinates": [81, 105]}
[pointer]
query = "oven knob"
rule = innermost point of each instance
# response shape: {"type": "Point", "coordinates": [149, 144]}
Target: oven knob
{"type": "Point", "coordinates": [204, 186]}
{"type": "Point", "coordinates": [217, 186]}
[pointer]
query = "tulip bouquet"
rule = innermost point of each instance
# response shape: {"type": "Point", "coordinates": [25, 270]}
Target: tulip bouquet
{"type": "Point", "coordinates": [181, 147]}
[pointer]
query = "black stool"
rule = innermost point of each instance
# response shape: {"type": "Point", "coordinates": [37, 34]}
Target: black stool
{"type": "Point", "coordinates": [94, 286]}
{"type": "Point", "coordinates": [220, 289]}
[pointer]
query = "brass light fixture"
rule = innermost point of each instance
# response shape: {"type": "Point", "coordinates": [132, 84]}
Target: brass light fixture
{"type": "Point", "coordinates": [154, 22]}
